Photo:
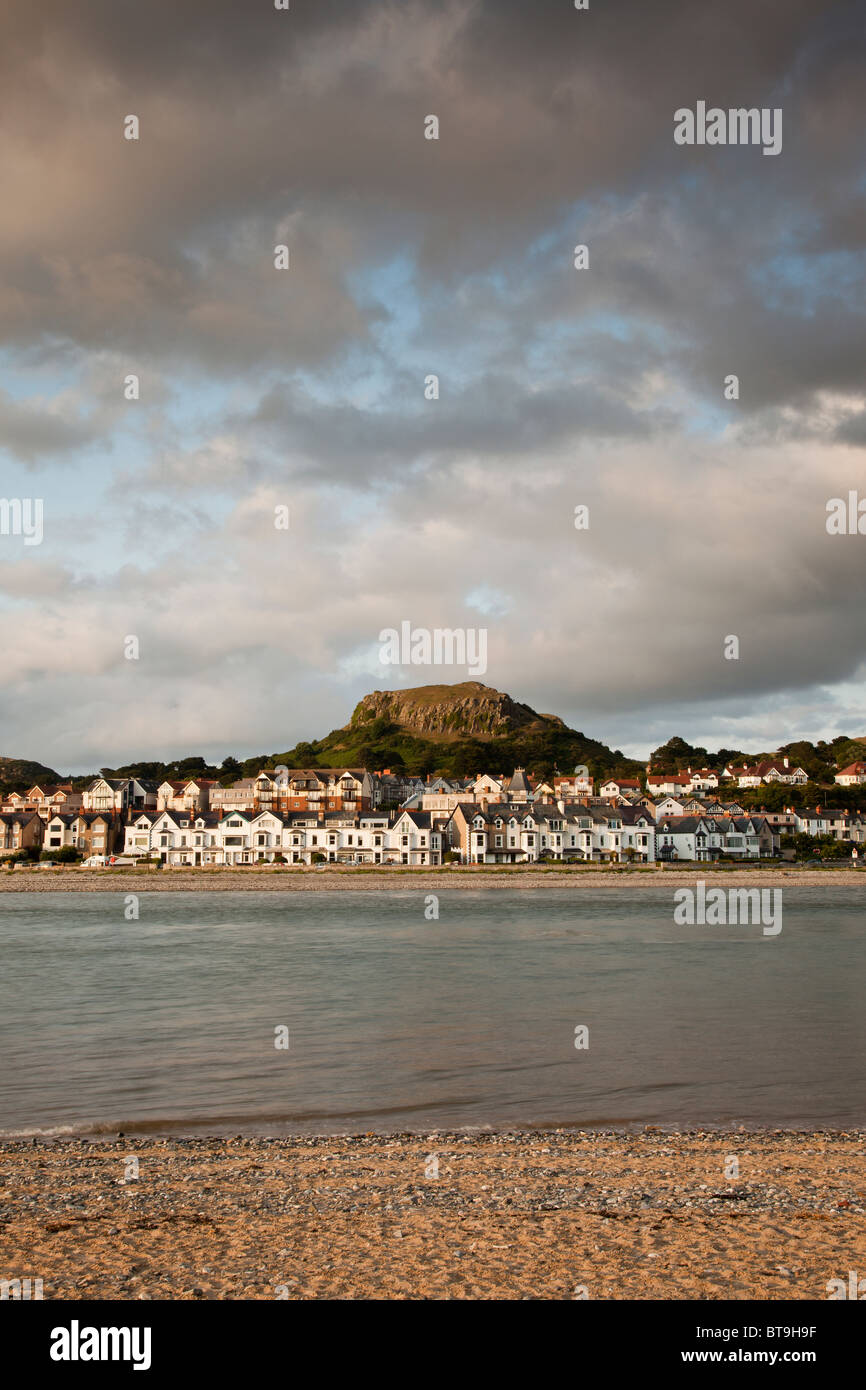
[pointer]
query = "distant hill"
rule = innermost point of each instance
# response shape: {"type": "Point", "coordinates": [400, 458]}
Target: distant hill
{"type": "Point", "coordinates": [819, 760]}
{"type": "Point", "coordinates": [456, 730]}
{"type": "Point", "coordinates": [460, 730]}
{"type": "Point", "coordinates": [21, 773]}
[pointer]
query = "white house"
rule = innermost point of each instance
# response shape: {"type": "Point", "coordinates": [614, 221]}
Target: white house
{"type": "Point", "coordinates": [119, 794]}
{"type": "Point", "coordinates": [703, 779]}
{"type": "Point", "coordinates": [502, 834]}
{"type": "Point", "coordinates": [854, 775]}
{"type": "Point", "coordinates": [773, 770]}
{"type": "Point", "coordinates": [702, 838]}
{"type": "Point", "coordinates": [670, 783]}
{"type": "Point", "coordinates": [618, 786]}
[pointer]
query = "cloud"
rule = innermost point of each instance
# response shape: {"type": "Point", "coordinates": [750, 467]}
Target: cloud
{"type": "Point", "coordinates": [305, 388]}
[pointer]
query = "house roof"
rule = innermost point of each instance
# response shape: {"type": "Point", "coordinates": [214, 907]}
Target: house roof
{"type": "Point", "coordinates": [423, 819]}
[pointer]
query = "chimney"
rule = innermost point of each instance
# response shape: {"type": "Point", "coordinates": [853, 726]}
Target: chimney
{"type": "Point", "coordinates": [785, 761]}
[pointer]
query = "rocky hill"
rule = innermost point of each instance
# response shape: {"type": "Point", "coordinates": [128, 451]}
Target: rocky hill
{"type": "Point", "coordinates": [455, 730]}
{"type": "Point", "coordinates": [453, 712]}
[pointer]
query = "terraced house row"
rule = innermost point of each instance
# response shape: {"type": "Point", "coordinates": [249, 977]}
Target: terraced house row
{"type": "Point", "coordinates": [308, 816]}
{"type": "Point", "coordinates": [206, 838]}
{"type": "Point", "coordinates": [497, 834]}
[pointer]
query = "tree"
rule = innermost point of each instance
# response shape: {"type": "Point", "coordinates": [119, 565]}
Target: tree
{"type": "Point", "coordinates": [192, 767]}
{"type": "Point", "coordinates": [66, 854]}
{"type": "Point", "coordinates": [673, 755]}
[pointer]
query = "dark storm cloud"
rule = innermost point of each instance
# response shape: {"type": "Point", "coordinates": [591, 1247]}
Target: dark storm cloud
{"type": "Point", "coordinates": [306, 125]}
{"type": "Point", "coordinates": [409, 256]}
{"type": "Point", "coordinates": [497, 416]}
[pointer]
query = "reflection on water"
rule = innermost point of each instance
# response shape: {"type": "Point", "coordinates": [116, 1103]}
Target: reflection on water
{"type": "Point", "coordinates": [396, 1022]}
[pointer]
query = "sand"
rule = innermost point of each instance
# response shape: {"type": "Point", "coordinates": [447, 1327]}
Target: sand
{"type": "Point", "coordinates": [546, 1215]}
{"type": "Point", "coordinates": [403, 879]}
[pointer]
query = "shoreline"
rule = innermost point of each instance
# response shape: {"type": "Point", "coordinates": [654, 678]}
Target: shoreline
{"type": "Point", "coordinates": [700, 1214]}
{"type": "Point", "coordinates": [63, 880]}
{"type": "Point", "coordinates": [183, 1133]}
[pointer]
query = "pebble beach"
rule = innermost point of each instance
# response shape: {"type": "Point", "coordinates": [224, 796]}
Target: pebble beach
{"type": "Point", "coordinates": [527, 1215]}
{"type": "Point", "coordinates": [515, 879]}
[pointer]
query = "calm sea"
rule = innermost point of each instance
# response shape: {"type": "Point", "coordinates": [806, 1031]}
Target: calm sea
{"type": "Point", "coordinates": [395, 1022]}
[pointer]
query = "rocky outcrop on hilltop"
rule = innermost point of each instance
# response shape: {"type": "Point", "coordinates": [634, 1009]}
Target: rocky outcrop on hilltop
{"type": "Point", "coordinates": [468, 710]}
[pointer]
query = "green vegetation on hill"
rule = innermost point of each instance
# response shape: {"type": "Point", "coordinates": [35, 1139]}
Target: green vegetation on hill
{"type": "Point", "coordinates": [819, 760]}
{"type": "Point", "coordinates": [380, 744]}
{"type": "Point", "coordinates": [19, 774]}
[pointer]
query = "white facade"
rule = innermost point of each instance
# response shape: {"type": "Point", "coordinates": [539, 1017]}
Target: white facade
{"type": "Point", "coordinates": [499, 836]}
{"type": "Point", "coordinates": [707, 838]}
{"type": "Point", "coordinates": [852, 776]}
{"type": "Point", "coordinates": [244, 837]}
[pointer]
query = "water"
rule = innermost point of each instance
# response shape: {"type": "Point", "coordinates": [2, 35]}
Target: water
{"type": "Point", "coordinates": [167, 1024]}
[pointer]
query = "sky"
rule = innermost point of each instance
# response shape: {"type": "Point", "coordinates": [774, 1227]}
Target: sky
{"type": "Point", "coordinates": [304, 388]}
